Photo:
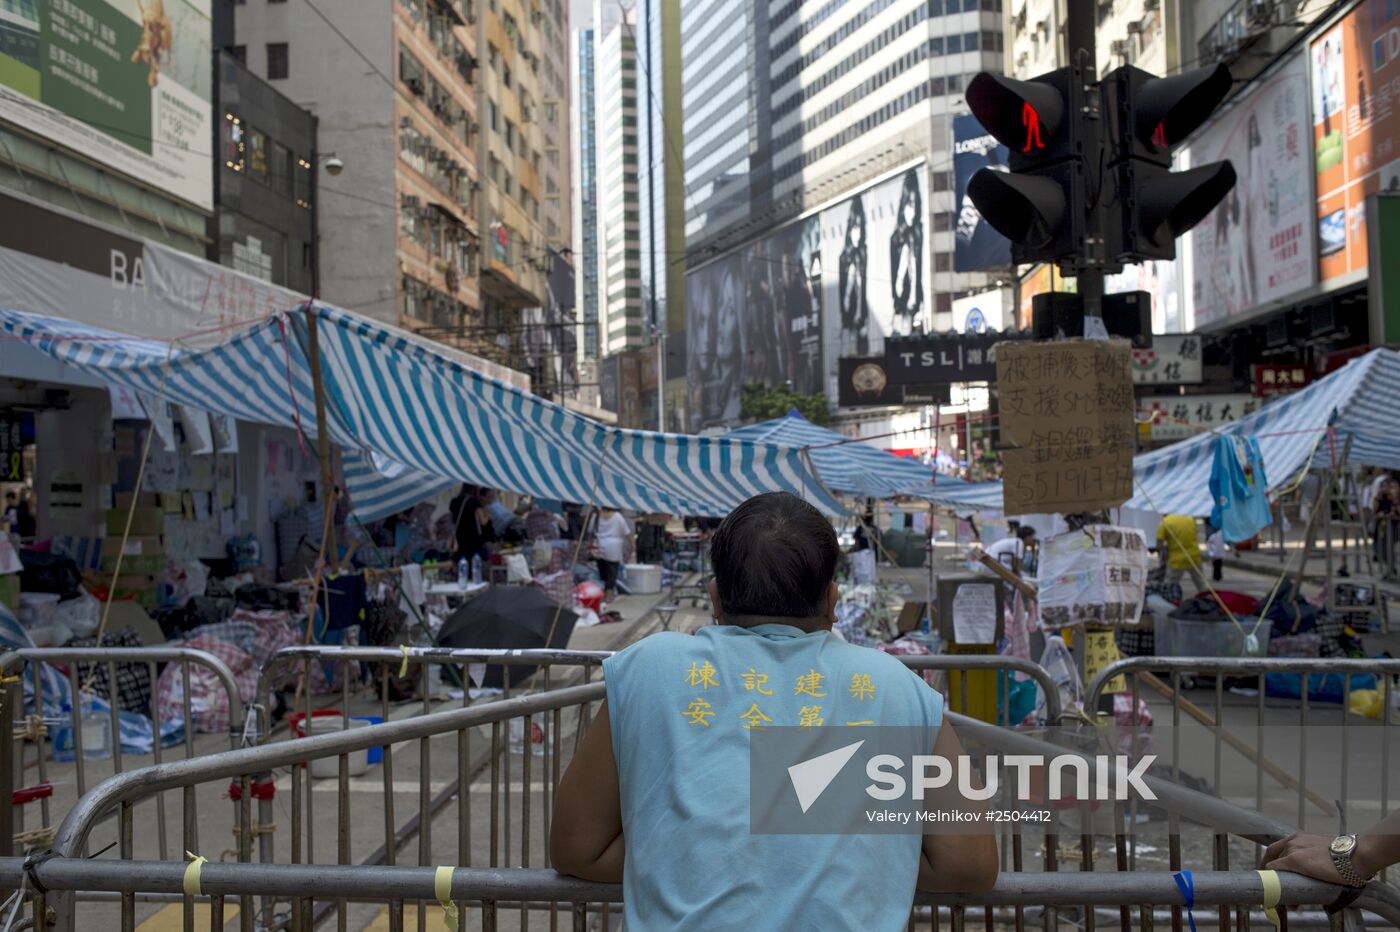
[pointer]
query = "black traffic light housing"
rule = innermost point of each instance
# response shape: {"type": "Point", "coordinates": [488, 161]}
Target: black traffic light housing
{"type": "Point", "coordinates": [1147, 118]}
{"type": "Point", "coordinates": [1039, 203]}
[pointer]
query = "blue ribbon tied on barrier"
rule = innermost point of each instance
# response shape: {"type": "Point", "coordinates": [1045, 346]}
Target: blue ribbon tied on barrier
{"type": "Point", "coordinates": [1187, 887]}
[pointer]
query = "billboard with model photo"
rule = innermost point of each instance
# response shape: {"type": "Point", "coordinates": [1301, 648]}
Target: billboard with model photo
{"type": "Point", "coordinates": [1356, 128]}
{"type": "Point", "coordinates": [786, 307]}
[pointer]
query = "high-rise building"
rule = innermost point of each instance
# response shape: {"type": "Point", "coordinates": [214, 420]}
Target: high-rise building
{"type": "Point", "coordinates": [662, 193]}
{"type": "Point", "coordinates": [620, 310]}
{"type": "Point", "coordinates": [724, 73]}
{"type": "Point", "coordinates": [820, 185]}
{"type": "Point", "coordinates": [400, 222]}
{"type": "Point", "coordinates": [585, 191]}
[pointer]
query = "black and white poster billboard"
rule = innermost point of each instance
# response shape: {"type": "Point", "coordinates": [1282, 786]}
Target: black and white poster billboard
{"type": "Point", "coordinates": [832, 284]}
{"type": "Point", "coordinates": [975, 245]}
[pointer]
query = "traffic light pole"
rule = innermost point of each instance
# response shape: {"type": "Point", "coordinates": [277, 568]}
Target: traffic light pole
{"type": "Point", "coordinates": [1083, 55]}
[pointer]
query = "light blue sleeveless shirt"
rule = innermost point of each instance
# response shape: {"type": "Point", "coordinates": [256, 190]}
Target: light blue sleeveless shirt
{"type": "Point", "coordinates": [678, 706]}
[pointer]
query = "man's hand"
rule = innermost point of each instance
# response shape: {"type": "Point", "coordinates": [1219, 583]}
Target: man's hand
{"type": "Point", "coordinates": [1303, 854]}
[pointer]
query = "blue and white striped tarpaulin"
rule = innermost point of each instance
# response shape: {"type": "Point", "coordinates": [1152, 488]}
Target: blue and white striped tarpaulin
{"type": "Point", "coordinates": [847, 465]}
{"type": "Point", "coordinates": [412, 421]}
{"type": "Point", "coordinates": [1361, 401]}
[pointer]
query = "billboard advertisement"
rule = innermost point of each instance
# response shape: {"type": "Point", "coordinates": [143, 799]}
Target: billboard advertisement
{"type": "Point", "coordinates": [786, 307]}
{"type": "Point", "coordinates": [1256, 247]}
{"type": "Point", "coordinates": [978, 313]}
{"type": "Point", "coordinates": [125, 82]}
{"type": "Point", "coordinates": [1356, 129]}
{"type": "Point", "coordinates": [976, 244]}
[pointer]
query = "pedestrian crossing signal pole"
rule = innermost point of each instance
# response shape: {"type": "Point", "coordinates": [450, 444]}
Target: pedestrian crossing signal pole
{"type": "Point", "coordinates": [1089, 184]}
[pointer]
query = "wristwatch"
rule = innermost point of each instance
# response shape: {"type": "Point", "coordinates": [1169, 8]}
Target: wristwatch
{"type": "Point", "coordinates": [1341, 850]}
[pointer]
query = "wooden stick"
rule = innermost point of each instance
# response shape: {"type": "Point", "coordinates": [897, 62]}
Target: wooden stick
{"type": "Point", "coordinates": [1263, 763]}
{"type": "Point", "coordinates": [1026, 589]}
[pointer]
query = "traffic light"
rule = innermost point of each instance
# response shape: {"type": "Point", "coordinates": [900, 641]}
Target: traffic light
{"type": "Point", "coordinates": [1147, 117]}
{"type": "Point", "coordinates": [1039, 202]}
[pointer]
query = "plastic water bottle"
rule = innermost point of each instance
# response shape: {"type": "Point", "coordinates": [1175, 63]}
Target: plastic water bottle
{"type": "Point", "coordinates": [462, 573]}
{"type": "Point", "coordinates": [476, 567]}
{"type": "Point", "coordinates": [96, 726]}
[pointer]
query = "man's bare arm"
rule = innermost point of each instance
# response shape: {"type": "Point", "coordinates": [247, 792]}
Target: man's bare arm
{"type": "Point", "coordinates": [585, 835]}
{"type": "Point", "coordinates": [956, 862]}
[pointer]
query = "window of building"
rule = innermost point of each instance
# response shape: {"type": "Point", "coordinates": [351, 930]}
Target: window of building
{"type": "Point", "coordinates": [505, 75]}
{"type": "Point", "coordinates": [255, 155]}
{"type": "Point", "coordinates": [411, 71]}
{"type": "Point", "coordinates": [277, 61]}
{"type": "Point", "coordinates": [239, 53]}
{"type": "Point", "coordinates": [491, 116]}
{"type": "Point", "coordinates": [943, 262]}
{"type": "Point", "coordinates": [510, 135]}
{"type": "Point", "coordinates": [281, 158]}
{"type": "Point", "coordinates": [954, 45]}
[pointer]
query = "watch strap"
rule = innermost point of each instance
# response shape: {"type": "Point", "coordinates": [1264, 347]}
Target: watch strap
{"type": "Point", "coordinates": [1346, 868]}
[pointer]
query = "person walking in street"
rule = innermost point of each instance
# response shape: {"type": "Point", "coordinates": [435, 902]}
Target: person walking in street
{"type": "Point", "coordinates": [1012, 550]}
{"type": "Point", "coordinates": [1386, 510]}
{"type": "Point", "coordinates": [1215, 550]}
{"type": "Point", "coordinates": [614, 538]}
{"type": "Point", "coordinates": [658, 794]}
{"type": "Point", "coordinates": [1180, 549]}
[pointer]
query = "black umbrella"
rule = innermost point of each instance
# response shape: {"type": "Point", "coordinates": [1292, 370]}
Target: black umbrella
{"type": "Point", "coordinates": [508, 617]}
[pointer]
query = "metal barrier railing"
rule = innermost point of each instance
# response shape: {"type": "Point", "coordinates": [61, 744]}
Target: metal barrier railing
{"type": "Point", "coordinates": [345, 883]}
{"type": "Point", "coordinates": [491, 891]}
{"type": "Point", "coordinates": [16, 737]}
{"type": "Point", "coordinates": [1269, 713]}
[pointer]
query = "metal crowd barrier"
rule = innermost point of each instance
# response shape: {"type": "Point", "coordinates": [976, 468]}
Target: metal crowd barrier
{"type": "Point", "coordinates": [18, 732]}
{"type": "Point", "coordinates": [1068, 894]}
{"type": "Point", "coordinates": [1269, 714]}
{"type": "Point", "coordinates": [492, 891]}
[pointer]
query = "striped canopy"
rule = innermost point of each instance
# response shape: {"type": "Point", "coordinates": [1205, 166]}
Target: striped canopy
{"type": "Point", "coordinates": [1360, 401]}
{"type": "Point", "coordinates": [413, 421]}
{"type": "Point", "coordinates": [847, 465]}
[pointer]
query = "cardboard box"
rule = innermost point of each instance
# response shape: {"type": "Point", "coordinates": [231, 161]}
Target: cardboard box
{"type": "Point", "coordinates": [145, 522]}
{"type": "Point", "coordinates": [9, 591]}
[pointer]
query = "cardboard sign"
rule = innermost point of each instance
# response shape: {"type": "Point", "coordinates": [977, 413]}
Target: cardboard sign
{"type": "Point", "coordinates": [1066, 425]}
{"type": "Point", "coordinates": [1100, 650]}
{"type": "Point", "coordinates": [1094, 576]}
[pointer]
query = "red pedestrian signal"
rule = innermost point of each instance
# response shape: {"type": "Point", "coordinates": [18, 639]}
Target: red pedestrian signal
{"type": "Point", "coordinates": [1031, 119]}
{"type": "Point", "coordinates": [1039, 203]}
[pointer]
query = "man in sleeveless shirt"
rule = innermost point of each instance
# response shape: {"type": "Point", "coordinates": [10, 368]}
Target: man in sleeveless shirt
{"type": "Point", "coordinates": [657, 795]}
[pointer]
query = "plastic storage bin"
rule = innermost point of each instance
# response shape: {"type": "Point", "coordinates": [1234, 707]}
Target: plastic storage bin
{"type": "Point", "coordinates": [643, 578]}
{"type": "Point", "coordinates": [1180, 637]}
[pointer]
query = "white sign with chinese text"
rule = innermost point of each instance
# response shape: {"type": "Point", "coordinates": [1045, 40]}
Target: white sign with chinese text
{"type": "Point", "coordinates": [1171, 360]}
{"type": "Point", "coordinates": [1093, 576]}
{"type": "Point", "coordinates": [1180, 417]}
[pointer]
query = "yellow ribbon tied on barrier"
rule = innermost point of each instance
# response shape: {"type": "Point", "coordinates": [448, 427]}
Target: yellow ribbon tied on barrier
{"type": "Point", "coordinates": [192, 872]}
{"type": "Point", "coordinates": [403, 667]}
{"type": "Point", "coordinates": [442, 889]}
{"type": "Point", "coordinates": [1272, 894]}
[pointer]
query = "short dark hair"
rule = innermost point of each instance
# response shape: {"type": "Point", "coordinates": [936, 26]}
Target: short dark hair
{"type": "Point", "coordinates": [1025, 532]}
{"type": "Point", "coordinates": [775, 556]}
